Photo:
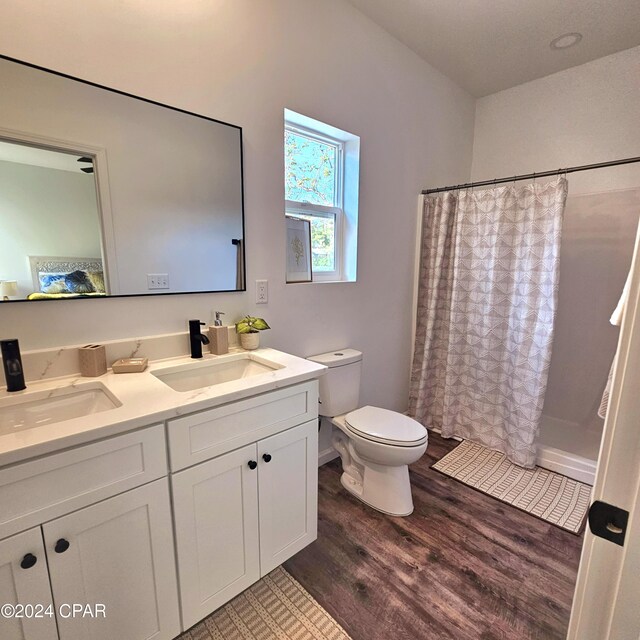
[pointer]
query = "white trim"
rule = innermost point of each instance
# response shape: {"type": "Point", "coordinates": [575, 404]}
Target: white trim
{"type": "Point", "coordinates": [327, 455]}
{"type": "Point", "coordinates": [416, 280]}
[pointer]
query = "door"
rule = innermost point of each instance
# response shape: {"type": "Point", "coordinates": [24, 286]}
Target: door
{"type": "Point", "coordinates": [216, 517]}
{"type": "Point", "coordinates": [24, 580]}
{"type": "Point", "coordinates": [605, 605]}
{"type": "Point", "coordinates": [288, 493]}
{"type": "Point", "coordinates": [117, 554]}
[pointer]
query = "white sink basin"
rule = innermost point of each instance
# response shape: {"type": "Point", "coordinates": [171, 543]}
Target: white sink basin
{"type": "Point", "coordinates": [207, 373]}
{"type": "Point", "coordinates": [29, 410]}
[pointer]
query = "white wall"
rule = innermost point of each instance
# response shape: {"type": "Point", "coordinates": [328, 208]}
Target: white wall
{"type": "Point", "coordinates": [44, 212]}
{"type": "Point", "coordinates": [583, 115]}
{"type": "Point", "coordinates": [244, 61]}
{"type": "Point", "coordinates": [587, 114]}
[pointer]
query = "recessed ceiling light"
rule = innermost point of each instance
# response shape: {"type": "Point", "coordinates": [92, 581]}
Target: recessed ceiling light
{"type": "Point", "coordinates": [566, 40]}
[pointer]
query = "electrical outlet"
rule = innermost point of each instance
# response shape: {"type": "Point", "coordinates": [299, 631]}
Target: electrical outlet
{"type": "Point", "coordinates": [262, 291]}
{"type": "Point", "coordinates": [157, 280]}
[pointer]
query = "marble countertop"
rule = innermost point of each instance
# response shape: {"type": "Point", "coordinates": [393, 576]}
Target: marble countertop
{"type": "Point", "coordinates": [145, 400]}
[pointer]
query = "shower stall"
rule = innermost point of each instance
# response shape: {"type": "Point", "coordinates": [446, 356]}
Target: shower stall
{"type": "Point", "coordinates": [598, 238]}
{"type": "Point", "coordinates": [600, 223]}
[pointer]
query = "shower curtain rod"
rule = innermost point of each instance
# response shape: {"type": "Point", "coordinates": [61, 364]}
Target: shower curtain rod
{"type": "Point", "coordinates": [533, 176]}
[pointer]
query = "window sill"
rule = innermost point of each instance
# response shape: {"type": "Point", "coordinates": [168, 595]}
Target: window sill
{"type": "Point", "coordinates": [325, 282]}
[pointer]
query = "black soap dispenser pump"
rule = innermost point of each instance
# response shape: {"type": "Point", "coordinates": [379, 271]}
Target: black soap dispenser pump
{"type": "Point", "coordinates": [12, 362]}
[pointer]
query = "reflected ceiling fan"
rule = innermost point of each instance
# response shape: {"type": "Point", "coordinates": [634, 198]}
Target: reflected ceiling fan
{"type": "Point", "coordinates": [90, 161]}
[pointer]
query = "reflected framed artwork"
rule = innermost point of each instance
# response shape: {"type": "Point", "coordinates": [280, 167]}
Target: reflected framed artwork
{"type": "Point", "coordinates": [298, 250]}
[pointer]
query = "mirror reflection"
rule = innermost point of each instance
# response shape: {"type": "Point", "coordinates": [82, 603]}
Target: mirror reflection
{"type": "Point", "coordinates": [106, 194]}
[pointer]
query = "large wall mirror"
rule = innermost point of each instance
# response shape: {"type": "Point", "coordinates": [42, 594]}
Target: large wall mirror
{"type": "Point", "coordinates": [106, 194]}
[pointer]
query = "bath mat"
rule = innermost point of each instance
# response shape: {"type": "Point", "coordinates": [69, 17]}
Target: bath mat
{"type": "Point", "coordinates": [550, 496]}
{"type": "Point", "coordinates": [274, 608]}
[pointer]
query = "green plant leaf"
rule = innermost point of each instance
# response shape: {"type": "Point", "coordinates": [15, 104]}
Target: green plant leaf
{"type": "Point", "coordinates": [260, 324]}
{"type": "Point", "coordinates": [249, 324]}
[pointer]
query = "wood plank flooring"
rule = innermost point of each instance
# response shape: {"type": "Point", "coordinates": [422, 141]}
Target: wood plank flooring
{"type": "Point", "coordinates": [462, 566]}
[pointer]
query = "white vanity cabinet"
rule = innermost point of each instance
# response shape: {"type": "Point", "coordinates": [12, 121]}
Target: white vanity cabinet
{"type": "Point", "coordinates": [215, 507]}
{"type": "Point", "coordinates": [24, 579]}
{"type": "Point", "coordinates": [243, 513]}
{"type": "Point", "coordinates": [117, 553]}
{"type": "Point", "coordinates": [93, 525]}
{"type": "Point", "coordinates": [287, 493]}
{"type": "Point", "coordinates": [95, 543]}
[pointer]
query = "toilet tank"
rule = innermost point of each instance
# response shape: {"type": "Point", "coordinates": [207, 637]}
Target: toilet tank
{"type": "Point", "coordinates": [340, 386]}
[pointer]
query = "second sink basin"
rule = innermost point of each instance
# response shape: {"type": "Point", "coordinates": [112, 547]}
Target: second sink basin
{"type": "Point", "coordinates": [30, 410]}
{"type": "Point", "coordinates": [207, 373]}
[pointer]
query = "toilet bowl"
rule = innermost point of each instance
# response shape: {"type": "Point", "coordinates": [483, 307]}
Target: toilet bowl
{"type": "Point", "coordinates": [375, 445]}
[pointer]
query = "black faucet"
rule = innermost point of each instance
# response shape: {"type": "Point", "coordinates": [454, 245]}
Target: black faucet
{"type": "Point", "coordinates": [13, 373]}
{"type": "Point", "coordinates": [196, 339]}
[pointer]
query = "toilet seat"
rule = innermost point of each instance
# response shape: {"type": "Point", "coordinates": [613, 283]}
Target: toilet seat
{"type": "Point", "coordinates": [386, 427]}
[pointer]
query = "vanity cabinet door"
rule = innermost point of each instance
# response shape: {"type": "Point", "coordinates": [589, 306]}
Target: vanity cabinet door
{"type": "Point", "coordinates": [288, 493]}
{"type": "Point", "coordinates": [216, 519]}
{"type": "Point", "coordinates": [24, 580]}
{"type": "Point", "coordinates": [117, 553]}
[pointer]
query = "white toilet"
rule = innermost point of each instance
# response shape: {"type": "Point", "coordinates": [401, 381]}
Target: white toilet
{"type": "Point", "coordinates": [375, 445]}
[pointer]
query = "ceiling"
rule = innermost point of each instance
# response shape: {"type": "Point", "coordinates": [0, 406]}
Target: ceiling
{"type": "Point", "coordinates": [23, 154]}
{"type": "Point", "coordinates": [490, 45]}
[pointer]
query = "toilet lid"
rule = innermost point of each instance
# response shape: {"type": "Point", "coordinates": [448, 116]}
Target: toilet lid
{"type": "Point", "coordinates": [382, 425]}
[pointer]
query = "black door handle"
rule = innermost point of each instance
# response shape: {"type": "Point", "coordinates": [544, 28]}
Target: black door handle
{"type": "Point", "coordinates": [252, 464]}
{"type": "Point", "coordinates": [266, 457]}
{"type": "Point", "coordinates": [61, 546]}
{"type": "Point", "coordinates": [28, 561]}
{"type": "Point", "coordinates": [608, 521]}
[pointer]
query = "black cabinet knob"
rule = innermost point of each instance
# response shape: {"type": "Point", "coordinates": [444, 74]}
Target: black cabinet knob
{"type": "Point", "coordinates": [28, 561]}
{"type": "Point", "coordinates": [266, 457]}
{"type": "Point", "coordinates": [61, 546]}
{"type": "Point", "coordinates": [252, 464]}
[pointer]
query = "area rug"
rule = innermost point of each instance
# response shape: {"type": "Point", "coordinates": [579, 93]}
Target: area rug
{"type": "Point", "coordinates": [550, 496]}
{"type": "Point", "coordinates": [274, 608]}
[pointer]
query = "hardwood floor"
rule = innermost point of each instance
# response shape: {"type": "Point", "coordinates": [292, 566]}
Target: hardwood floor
{"type": "Point", "coordinates": [462, 566]}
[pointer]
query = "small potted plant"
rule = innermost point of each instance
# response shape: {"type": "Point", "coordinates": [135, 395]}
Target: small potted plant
{"type": "Point", "coordinates": [248, 329]}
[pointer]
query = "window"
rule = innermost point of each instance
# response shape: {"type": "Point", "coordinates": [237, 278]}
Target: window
{"type": "Point", "coordinates": [313, 191]}
{"type": "Point", "coordinates": [317, 186]}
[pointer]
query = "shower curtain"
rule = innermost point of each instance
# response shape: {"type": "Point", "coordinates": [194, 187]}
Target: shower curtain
{"type": "Point", "coordinates": [487, 296]}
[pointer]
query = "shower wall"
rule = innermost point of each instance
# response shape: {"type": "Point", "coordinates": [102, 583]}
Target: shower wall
{"type": "Point", "coordinates": [597, 246]}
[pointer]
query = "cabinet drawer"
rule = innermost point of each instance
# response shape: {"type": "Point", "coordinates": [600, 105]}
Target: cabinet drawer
{"type": "Point", "coordinates": [204, 435]}
{"type": "Point", "coordinates": [36, 491]}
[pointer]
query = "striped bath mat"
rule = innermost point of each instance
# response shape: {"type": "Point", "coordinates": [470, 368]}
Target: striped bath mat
{"type": "Point", "coordinates": [547, 495]}
{"type": "Point", "coordinates": [274, 608]}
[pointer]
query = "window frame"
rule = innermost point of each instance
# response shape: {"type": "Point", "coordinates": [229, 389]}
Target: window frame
{"type": "Point", "coordinates": [296, 208]}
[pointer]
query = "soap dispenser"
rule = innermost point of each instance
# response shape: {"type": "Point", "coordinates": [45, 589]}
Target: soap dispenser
{"type": "Point", "coordinates": [12, 362]}
{"type": "Point", "coordinates": [218, 336]}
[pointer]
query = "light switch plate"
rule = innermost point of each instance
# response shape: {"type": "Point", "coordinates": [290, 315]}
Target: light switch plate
{"type": "Point", "coordinates": [157, 280]}
{"type": "Point", "coordinates": [262, 291]}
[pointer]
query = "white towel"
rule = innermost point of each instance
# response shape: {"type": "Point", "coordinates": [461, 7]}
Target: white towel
{"type": "Point", "coordinates": [616, 316]}
{"type": "Point", "coordinates": [604, 403]}
{"type": "Point", "coordinates": [616, 320]}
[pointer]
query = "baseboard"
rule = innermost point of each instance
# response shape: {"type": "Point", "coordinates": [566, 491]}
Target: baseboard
{"type": "Point", "coordinates": [326, 456]}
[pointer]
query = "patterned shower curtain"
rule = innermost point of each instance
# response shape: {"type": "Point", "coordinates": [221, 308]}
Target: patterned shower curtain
{"type": "Point", "coordinates": [486, 306]}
